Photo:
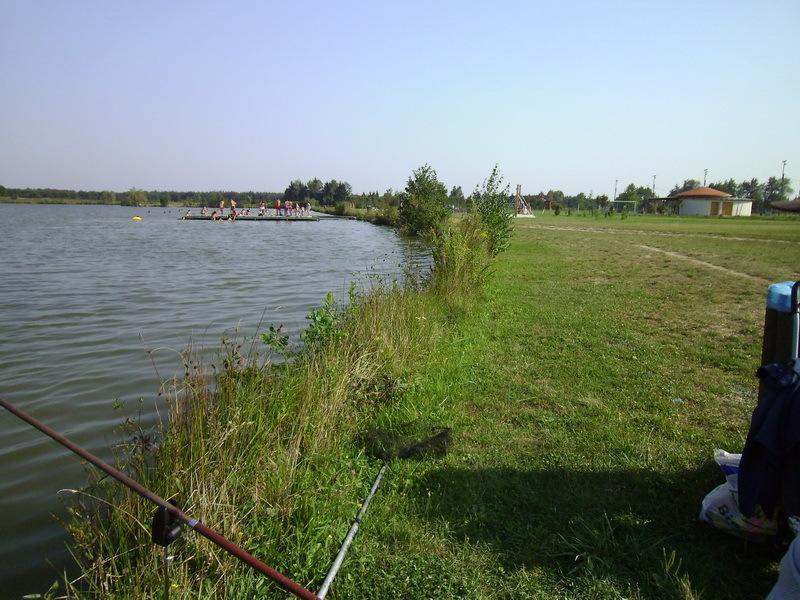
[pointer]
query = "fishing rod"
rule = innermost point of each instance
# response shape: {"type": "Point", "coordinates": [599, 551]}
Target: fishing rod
{"type": "Point", "coordinates": [247, 558]}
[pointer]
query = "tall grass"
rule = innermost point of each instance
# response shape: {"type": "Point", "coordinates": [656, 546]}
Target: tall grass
{"type": "Point", "coordinates": [269, 454]}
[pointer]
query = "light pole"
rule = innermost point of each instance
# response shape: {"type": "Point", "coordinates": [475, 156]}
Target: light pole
{"type": "Point", "coordinates": [615, 194]}
{"type": "Point", "coordinates": [654, 186]}
{"type": "Point", "coordinates": [783, 173]}
{"type": "Point", "coordinates": [705, 175]}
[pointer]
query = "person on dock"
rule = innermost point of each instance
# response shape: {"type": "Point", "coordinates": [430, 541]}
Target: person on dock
{"type": "Point", "coordinates": [214, 216]}
{"type": "Point", "coordinates": [233, 210]}
{"type": "Point", "coordinates": [263, 210]}
{"type": "Point", "coordinates": [188, 214]}
{"type": "Point", "coordinates": [308, 209]}
{"type": "Point", "coordinates": [221, 206]}
{"type": "Point", "coordinates": [204, 211]}
{"type": "Point", "coordinates": [278, 207]}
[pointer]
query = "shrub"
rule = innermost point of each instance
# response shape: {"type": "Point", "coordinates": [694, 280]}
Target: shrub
{"type": "Point", "coordinates": [388, 216]}
{"type": "Point", "coordinates": [461, 259]}
{"type": "Point", "coordinates": [325, 323]}
{"type": "Point", "coordinates": [490, 203]}
{"type": "Point", "coordinates": [424, 205]}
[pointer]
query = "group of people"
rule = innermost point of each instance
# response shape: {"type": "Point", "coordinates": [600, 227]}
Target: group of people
{"type": "Point", "coordinates": [289, 208]}
{"type": "Point", "coordinates": [285, 209]}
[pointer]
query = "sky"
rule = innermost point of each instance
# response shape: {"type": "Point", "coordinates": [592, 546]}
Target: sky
{"type": "Point", "coordinates": [243, 96]}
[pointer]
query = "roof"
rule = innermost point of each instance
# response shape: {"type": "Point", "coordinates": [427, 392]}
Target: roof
{"type": "Point", "coordinates": [787, 205]}
{"type": "Point", "coordinates": [702, 192]}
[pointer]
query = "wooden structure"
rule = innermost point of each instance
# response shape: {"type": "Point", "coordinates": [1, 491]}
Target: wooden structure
{"type": "Point", "coordinates": [521, 208]}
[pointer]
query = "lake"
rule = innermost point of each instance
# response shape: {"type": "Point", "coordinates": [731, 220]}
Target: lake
{"type": "Point", "coordinates": [95, 311]}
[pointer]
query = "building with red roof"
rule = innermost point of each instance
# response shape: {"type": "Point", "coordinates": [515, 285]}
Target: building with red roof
{"type": "Point", "coordinates": [708, 202]}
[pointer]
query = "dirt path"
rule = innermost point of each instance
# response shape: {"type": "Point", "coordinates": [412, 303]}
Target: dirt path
{"type": "Point", "coordinates": [703, 263]}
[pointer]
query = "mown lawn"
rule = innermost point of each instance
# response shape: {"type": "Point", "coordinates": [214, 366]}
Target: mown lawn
{"type": "Point", "coordinates": [587, 392]}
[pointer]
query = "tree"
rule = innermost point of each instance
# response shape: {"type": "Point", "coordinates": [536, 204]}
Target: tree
{"type": "Point", "coordinates": [602, 201]}
{"type": "Point", "coordinates": [424, 207]}
{"type": "Point", "coordinates": [107, 197]}
{"type": "Point", "coordinates": [776, 190]}
{"type": "Point", "coordinates": [314, 187]}
{"type": "Point", "coordinates": [329, 193]}
{"type": "Point", "coordinates": [688, 184]}
{"type": "Point", "coordinates": [728, 186]}
{"type": "Point", "coordinates": [342, 192]}
{"type": "Point", "coordinates": [457, 196]}
{"type": "Point", "coordinates": [296, 192]}
{"type": "Point", "coordinates": [629, 195]}
{"type": "Point", "coordinates": [390, 198]}
{"type": "Point", "coordinates": [754, 190]}
{"type": "Point", "coordinates": [556, 197]}
{"type": "Point", "coordinates": [491, 203]}
{"type": "Point", "coordinates": [134, 197]}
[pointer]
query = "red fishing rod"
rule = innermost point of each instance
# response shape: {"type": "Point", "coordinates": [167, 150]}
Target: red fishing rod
{"type": "Point", "coordinates": [247, 558]}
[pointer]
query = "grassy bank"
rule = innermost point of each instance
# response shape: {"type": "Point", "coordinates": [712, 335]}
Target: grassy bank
{"type": "Point", "coordinates": [274, 456]}
{"type": "Point", "coordinates": [589, 390]}
{"type": "Point", "coordinates": [376, 216]}
{"type": "Point", "coordinates": [587, 386]}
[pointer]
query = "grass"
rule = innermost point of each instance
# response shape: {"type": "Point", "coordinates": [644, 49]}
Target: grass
{"type": "Point", "coordinates": [575, 474]}
{"type": "Point", "coordinates": [587, 386]}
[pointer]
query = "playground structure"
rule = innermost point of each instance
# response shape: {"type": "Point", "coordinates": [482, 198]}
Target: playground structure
{"type": "Point", "coordinates": [521, 207]}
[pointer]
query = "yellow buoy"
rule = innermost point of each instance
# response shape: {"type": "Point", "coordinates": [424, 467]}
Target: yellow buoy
{"type": "Point", "coordinates": [137, 218]}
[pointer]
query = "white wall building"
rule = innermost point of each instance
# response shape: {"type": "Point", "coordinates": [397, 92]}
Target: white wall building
{"type": "Point", "coordinates": [708, 202]}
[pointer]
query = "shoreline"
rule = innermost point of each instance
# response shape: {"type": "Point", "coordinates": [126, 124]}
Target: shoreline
{"type": "Point", "coordinates": [567, 438]}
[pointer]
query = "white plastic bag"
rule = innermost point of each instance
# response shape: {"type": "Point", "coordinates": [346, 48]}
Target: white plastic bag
{"type": "Point", "coordinates": [721, 505]}
{"type": "Point", "coordinates": [729, 463]}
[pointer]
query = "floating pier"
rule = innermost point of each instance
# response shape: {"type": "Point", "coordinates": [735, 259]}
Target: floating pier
{"type": "Point", "coordinates": [250, 218]}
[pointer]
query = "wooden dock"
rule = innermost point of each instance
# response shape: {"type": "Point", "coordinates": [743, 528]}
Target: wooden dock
{"type": "Point", "coordinates": [250, 218]}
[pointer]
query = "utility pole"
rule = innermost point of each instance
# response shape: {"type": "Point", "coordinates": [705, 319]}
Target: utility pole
{"type": "Point", "coordinates": [783, 173]}
{"type": "Point", "coordinates": [705, 174]}
{"type": "Point", "coordinates": [654, 186]}
{"type": "Point", "coordinates": [615, 190]}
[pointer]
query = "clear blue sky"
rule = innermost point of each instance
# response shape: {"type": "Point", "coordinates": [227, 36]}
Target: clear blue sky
{"type": "Point", "coordinates": [563, 95]}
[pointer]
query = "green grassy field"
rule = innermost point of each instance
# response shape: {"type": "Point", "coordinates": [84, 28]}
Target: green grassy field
{"type": "Point", "coordinates": [587, 386]}
{"type": "Point", "coordinates": [575, 473]}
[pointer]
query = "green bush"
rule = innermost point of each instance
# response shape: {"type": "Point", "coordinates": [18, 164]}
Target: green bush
{"type": "Point", "coordinates": [325, 323]}
{"type": "Point", "coordinates": [424, 204]}
{"type": "Point", "coordinates": [491, 204]}
{"type": "Point", "coordinates": [461, 258]}
{"type": "Point", "coordinates": [388, 216]}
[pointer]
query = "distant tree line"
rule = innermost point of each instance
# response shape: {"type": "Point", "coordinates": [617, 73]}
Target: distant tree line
{"type": "Point", "coordinates": [335, 192]}
{"type": "Point", "coordinates": [137, 197]}
{"type": "Point", "coordinates": [644, 200]}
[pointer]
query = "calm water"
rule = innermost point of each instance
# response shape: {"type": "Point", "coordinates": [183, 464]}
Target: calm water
{"type": "Point", "coordinates": [86, 292]}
